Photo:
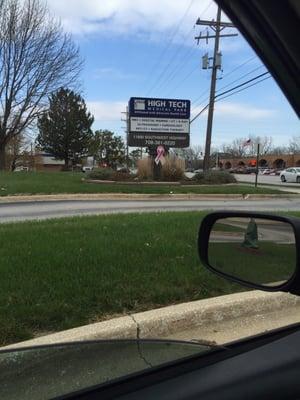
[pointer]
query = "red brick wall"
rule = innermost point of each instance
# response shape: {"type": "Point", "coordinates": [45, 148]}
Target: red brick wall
{"type": "Point", "coordinates": [272, 160]}
{"type": "Point", "coordinates": [48, 167]}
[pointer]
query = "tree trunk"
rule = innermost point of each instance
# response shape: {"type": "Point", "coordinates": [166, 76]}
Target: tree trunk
{"type": "Point", "coordinates": [2, 157]}
{"type": "Point", "coordinates": [13, 165]}
{"type": "Point", "coordinates": [66, 166]}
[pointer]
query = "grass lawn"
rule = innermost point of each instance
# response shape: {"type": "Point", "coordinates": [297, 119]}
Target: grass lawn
{"type": "Point", "coordinates": [63, 273]}
{"type": "Point", "coordinates": [13, 183]}
{"type": "Point", "coordinates": [270, 263]}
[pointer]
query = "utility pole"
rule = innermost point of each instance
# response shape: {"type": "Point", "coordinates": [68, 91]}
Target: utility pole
{"type": "Point", "coordinates": [257, 163]}
{"type": "Point", "coordinates": [217, 26]}
{"type": "Point", "coordinates": [126, 131]}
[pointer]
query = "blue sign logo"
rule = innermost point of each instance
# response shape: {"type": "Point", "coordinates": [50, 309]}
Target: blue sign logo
{"type": "Point", "coordinates": [159, 108]}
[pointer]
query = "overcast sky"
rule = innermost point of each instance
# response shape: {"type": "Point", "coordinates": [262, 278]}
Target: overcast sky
{"type": "Point", "coordinates": [147, 48]}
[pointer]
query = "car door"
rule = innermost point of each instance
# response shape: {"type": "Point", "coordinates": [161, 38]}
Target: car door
{"type": "Point", "coordinates": [288, 175]}
{"type": "Point", "coordinates": [293, 175]}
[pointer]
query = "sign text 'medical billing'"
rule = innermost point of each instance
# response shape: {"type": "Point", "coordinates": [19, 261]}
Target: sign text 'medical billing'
{"type": "Point", "coordinates": [152, 116]}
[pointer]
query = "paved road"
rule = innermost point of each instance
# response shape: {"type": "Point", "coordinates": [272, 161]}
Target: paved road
{"type": "Point", "coordinates": [57, 209]}
{"type": "Point", "coordinates": [277, 232]}
{"type": "Point", "coordinates": [265, 179]}
{"type": "Point", "coordinates": [262, 179]}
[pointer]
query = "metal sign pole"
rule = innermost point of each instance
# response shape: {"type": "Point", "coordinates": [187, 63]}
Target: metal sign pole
{"type": "Point", "coordinates": [257, 161]}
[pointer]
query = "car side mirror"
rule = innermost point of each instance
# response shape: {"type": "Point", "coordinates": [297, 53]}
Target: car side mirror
{"type": "Point", "coordinates": [256, 250]}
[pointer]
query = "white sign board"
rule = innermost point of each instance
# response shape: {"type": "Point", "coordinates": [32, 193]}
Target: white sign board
{"type": "Point", "coordinates": [159, 125]}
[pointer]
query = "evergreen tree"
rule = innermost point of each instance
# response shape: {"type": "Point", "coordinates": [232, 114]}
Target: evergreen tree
{"type": "Point", "coordinates": [65, 128]}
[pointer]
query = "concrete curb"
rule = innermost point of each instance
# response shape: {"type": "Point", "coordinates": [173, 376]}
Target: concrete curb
{"type": "Point", "coordinates": [131, 183]}
{"type": "Point", "coordinates": [169, 320]}
{"type": "Point", "coordinates": [140, 197]}
{"type": "Point", "coordinates": [270, 185]}
{"type": "Point", "coordinates": [286, 189]}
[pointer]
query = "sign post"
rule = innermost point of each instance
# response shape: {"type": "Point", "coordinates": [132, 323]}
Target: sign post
{"type": "Point", "coordinates": [257, 162]}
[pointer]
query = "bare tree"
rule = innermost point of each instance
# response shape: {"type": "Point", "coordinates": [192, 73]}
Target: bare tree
{"type": "Point", "coordinates": [279, 150]}
{"type": "Point", "coordinates": [192, 155]}
{"type": "Point", "coordinates": [238, 147]}
{"type": "Point", "coordinates": [266, 145]}
{"type": "Point", "coordinates": [36, 59]}
{"type": "Point", "coordinates": [294, 145]}
{"type": "Point", "coordinates": [13, 151]}
{"type": "Point", "coordinates": [235, 149]}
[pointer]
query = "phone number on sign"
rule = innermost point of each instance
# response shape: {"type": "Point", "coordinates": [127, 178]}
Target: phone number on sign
{"type": "Point", "coordinates": [160, 142]}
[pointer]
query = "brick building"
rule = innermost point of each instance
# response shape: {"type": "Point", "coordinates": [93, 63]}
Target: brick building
{"type": "Point", "coordinates": [266, 160]}
{"type": "Point", "coordinates": [46, 162]}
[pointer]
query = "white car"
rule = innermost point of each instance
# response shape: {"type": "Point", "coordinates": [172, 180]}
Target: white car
{"type": "Point", "coordinates": [21, 169]}
{"type": "Point", "coordinates": [87, 169]}
{"type": "Point", "coordinates": [290, 175]}
{"type": "Point", "coordinates": [266, 171]}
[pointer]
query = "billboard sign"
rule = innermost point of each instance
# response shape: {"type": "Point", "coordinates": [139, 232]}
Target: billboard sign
{"type": "Point", "coordinates": [159, 122]}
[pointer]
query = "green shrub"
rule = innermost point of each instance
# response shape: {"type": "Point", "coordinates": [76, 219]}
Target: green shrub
{"type": "Point", "coordinates": [214, 177]}
{"type": "Point", "coordinates": [102, 174]}
{"type": "Point", "coordinates": [122, 176]}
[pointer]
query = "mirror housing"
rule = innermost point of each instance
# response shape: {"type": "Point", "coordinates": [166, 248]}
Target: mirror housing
{"type": "Point", "coordinates": [207, 236]}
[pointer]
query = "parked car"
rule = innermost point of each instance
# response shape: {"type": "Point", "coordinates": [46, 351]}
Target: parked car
{"type": "Point", "coordinates": [21, 169]}
{"type": "Point", "coordinates": [241, 170]}
{"type": "Point", "coordinates": [87, 168]}
{"type": "Point", "coordinates": [290, 175]}
{"type": "Point", "coordinates": [266, 171]}
{"type": "Point", "coordinates": [250, 170]}
{"type": "Point", "coordinates": [125, 170]}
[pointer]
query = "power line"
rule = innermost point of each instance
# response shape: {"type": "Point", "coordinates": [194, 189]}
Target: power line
{"type": "Point", "coordinates": [241, 90]}
{"type": "Point", "coordinates": [217, 27]}
{"type": "Point", "coordinates": [178, 68]}
{"type": "Point", "coordinates": [242, 84]}
{"type": "Point", "coordinates": [234, 91]}
{"type": "Point", "coordinates": [186, 77]}
{"type": "Point", "coordinates": [176, 53]}
{"type": "Point", "coordinates": [199, 113]}
{"type": "Point", "coordinates": [170, 41]}
{"type": "Point", "coordinates": [238, 67]}
{"type": "Point", "coordinates": [181, 64]}
{"type": "Point", "coordinates": [229, 73]}
{"type": "Point", "coordinates": [166, 48]}
{"type": "Point", "coordinates": [200, 97]}
{"type": "Point", "coordinates": [241, 77]}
